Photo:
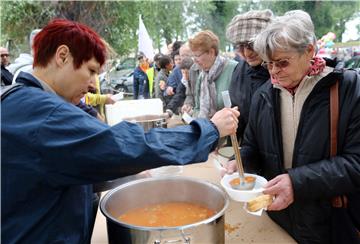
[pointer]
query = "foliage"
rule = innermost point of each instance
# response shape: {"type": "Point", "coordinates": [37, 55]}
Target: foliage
{"type": "Point", "coordinates": [19, 18]}
{"type": "Point", "coordinates": [326, 15]}
{"type": "Point", "coordinates": [166, 21]}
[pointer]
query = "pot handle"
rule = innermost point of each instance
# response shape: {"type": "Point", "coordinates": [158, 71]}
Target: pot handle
{"type": "Point", "coordinates": [185, 240]}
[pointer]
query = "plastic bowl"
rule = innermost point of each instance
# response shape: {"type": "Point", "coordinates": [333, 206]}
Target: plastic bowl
{"type": "Point", "coordinates": [243, 195]}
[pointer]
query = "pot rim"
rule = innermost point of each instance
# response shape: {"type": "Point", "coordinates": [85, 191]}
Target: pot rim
{"type": "Point", "coordinates": [182, 227]}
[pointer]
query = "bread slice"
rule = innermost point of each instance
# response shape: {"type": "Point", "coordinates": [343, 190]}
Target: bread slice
{"type": "Point", "coordinates": [259, 202]}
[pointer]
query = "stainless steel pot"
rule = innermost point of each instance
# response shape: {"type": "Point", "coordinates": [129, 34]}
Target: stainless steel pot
{"type": "Point", "coordinates": [149, 121]}
{"type": "Point", "coordinates": [144, 192]}
{"type": "Point", "coordinates": [155, 123]}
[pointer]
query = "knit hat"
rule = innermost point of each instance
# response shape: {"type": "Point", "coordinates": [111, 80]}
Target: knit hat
{"type": "Point", "coordinates": [245, 27]}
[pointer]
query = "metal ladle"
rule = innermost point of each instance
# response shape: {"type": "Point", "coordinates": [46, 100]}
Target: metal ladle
{"type": "Point", "coordinates": [243, 185]}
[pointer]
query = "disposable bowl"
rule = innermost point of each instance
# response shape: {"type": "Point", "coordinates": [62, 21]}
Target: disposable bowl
{"type": "Point", "coordinates": [243, 195]}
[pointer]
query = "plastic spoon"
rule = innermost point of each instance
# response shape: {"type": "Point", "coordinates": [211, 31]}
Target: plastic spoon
{"type": "Point", "coordinates": [244, 184]}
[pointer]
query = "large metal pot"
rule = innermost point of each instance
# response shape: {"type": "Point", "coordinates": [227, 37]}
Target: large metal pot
{"type": "Point", "coordinates": [149, 121]}
{"type": "Point", "coordinates": [144, 192]}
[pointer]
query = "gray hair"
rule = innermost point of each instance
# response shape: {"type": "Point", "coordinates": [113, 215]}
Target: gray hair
{"type": "Point", "coordinates": [304, 20]}
{"type": "Point", "coordinates": [302, 16]}
{"type": "Point", "coordinates": [286, 33]}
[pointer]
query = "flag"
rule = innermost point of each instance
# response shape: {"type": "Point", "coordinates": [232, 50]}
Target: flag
{"type": "Point", "coordinates": [145, 42]}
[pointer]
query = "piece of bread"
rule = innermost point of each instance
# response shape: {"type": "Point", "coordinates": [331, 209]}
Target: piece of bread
{"type": "Point", "coordinates": [259, 202]}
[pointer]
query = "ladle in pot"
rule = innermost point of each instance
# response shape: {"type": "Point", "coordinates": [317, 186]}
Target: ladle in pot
{"type": "Point", "coordinates": [244, 184]}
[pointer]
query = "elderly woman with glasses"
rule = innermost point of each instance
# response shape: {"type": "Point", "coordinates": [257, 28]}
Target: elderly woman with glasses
{"type": "Point", "coordinates": [288, 137]}
{"type": "Point", "coordinates": [215, 75]}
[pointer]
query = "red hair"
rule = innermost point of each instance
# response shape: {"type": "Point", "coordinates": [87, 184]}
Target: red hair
{"type": "Point", "coordinates": [83, 43]}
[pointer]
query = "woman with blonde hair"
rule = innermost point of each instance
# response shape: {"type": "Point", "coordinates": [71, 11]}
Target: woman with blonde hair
{"type": "Point", "coordinates": [215, 75]}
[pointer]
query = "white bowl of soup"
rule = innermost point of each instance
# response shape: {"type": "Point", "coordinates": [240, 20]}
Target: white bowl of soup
{"type": "Point", "coordinates": [243, 195]}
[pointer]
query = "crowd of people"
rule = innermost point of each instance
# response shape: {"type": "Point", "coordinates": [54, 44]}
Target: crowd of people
{"type": "Point", "coordinates": [279, 84]}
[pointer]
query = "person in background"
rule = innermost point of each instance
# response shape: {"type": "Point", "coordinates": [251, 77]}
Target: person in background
{"type": "Point", "coordinates": [180, 97]}
{"type": "Point", "coordinates": [141, 83]}
{"type": "Point", "coordinates": [25, 60]}
{"type": "Point", "coordinates": [287, 139]}
{"type": "Point", "coordinates": [96, 99]}
{"type": "Point", "coordinates": [169, 49]}
{"type": "Point", "coordinates": [6, 76]}
{"type": "Point", "coordinates": [215, 76]}
{"type": "Point", "coordinates": [166, 66]}
{"type": "Point", "coordinates": [175, 76]}
{"type": "Point", "coordinates": [248, 75]}
{"type": "Point", "coordinates": [175, 47]}
{"type": "Point", "coordinates": [176, 59]}
{"type": "Point", "coordinates": [152, 73]}
{"type": "Point", "coordinates": [175, 103]}
{"type": "Point", "coordinates": [185, 66]}
{"type": "Point", "coordinates": [61, 151]}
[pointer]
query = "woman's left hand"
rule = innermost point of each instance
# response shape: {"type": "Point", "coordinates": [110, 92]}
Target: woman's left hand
{"type": "Point", "coordinates": [281, 188]}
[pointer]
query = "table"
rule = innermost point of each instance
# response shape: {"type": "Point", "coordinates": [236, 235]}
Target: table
{"type": "Point", "coordinates": [240, 227]}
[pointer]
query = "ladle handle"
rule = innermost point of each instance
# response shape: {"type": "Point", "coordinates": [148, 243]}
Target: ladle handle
{"type": "Point", "coordinates": [235, 145]}
{"type": "Point", "coordinates": [234, 140]}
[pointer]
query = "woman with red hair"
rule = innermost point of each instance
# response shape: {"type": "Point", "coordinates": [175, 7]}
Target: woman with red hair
{"type": "Point", "coordinates": [52, 151]}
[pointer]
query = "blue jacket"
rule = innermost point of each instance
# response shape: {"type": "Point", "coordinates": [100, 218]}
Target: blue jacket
{"type": "Point", "coordinates": [140, 75]}
{"type": "Point", "coordinates": [174, 78]}
{"type": "Point", "coordinates": [52, 151]}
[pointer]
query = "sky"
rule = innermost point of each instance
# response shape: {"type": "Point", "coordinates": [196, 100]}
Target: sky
{"type": "Point", "coordinates": [351, 32]}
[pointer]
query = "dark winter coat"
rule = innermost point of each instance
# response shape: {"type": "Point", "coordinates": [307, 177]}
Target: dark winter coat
{"type": "Point", "coordinates": [316, 177]}
{"type": "Point", "coordinates": [244, 83]}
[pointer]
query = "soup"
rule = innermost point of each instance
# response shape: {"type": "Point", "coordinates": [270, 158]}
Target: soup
{"type": "Point", "coordinates": [236, 181]}
{"type": "Point", "coordinates": [169, 214]}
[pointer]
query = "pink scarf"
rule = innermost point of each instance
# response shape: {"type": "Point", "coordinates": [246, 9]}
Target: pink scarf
{"type": "Point", "coordinates": [317, 65]}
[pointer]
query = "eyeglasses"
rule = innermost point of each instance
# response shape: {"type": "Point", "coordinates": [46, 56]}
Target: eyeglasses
{"type": "Point", "coordinates": [198, 56]}
{"type": "Point", "coordinates": [242, 45]}
{"type": "Point", "coordinates": [281, 64]}
{"type": "Point", "coordinates": [4, 55]}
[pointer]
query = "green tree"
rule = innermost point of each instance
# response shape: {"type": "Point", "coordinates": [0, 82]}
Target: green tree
{"type": "Point", "coordinates": [164, 20]}
{"type": "Point", "coordinates": [117, 21]}
{"type": "Point", "coordinates": [326, 15]}
{"type": "Point", "coordinates": [17, 21]}
{"type": "Point", "coordinates": [213, 15]}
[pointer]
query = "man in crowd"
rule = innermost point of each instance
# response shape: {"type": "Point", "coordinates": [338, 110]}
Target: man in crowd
{"type": "Point", "coordinates": [248, 75]}
{"type": "Point", "coordinates": [141, 82]}
{"type": "Point", "coordinates": [24, 63]}
{"type": "Point", "coordinates": [6, 76]}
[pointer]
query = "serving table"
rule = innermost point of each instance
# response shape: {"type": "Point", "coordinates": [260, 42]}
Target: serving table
{"type": "Point", "coordinates": [240, 227]}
